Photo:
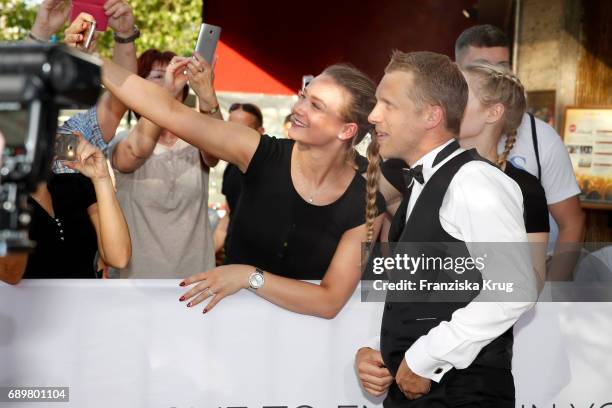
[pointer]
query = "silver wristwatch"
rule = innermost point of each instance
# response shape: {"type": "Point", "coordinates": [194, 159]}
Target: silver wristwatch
{"type": "Point", "coordinates": [256, 280]}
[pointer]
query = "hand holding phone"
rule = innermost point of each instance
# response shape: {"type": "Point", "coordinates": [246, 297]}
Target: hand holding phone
{"type": "Point", "coordinates": [88, 36]}
{"type": "Point", "coordinates": [201, 79]}
{"type": "Point", "coordinates": [81, 32]}
{"type": "Point", "coordinates": [207, 41]}
{"type": "Point", "coordinates": [66, 144]}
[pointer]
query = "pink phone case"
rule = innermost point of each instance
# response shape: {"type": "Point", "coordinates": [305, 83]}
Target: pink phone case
{"type": "Point", "coordinates": [93, 7]}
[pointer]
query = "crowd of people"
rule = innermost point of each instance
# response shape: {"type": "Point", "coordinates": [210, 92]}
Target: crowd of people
{"type": "Point", "coordinates": [454, 157]}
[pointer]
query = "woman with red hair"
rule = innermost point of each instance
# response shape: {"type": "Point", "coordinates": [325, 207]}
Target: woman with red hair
{"type": "Point", "coordinates": [162, 184]}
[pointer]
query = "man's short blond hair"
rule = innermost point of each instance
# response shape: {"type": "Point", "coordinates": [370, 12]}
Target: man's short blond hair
{"type": "Point", "coordinates": [437, 81]}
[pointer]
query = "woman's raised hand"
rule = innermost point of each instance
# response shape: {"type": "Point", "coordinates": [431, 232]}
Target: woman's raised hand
{"type": "Point", "coordinates": [175, 78]}
{"type": "Point", "coordinates": [90, 160]}
{"type": "Point", "coordinates": [201, 77]}
{"type": "Point", "coordinates": [51, 15]}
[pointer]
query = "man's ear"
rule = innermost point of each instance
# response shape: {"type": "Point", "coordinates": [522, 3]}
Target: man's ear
{"type": "Point", "coordinates": [348, 131]}
{"type": "Point", "coordinates": [495, 113]}
{"type": "Point", "coordinates": [434, 115]}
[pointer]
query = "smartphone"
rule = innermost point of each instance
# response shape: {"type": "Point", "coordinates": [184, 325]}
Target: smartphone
{"type": "Point", "coordinates": [93, 7]}
{"type": "Point", "coordinates": [88, 36]}
{"type": "Point", "coordinates": [66, 145]}
{"type": "Point", "coordinates": [207, 41]}
{"type": "Point", "coordinates": [306, 79]}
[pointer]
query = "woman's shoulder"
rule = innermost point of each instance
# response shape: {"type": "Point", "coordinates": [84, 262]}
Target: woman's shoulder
{"type": "Point", "coordinates": [526, 181]}
{"type": "Point", "coordinates": [357, 191]}
{"type": "Point", "coordinates": [276, 143]}
{"type": "Point", "coordinates": [270, 150]}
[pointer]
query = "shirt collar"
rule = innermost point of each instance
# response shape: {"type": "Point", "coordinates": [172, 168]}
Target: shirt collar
{"type": "Point", "coordinates": [428, 159]}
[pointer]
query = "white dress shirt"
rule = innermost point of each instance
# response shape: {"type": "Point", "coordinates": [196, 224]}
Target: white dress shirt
{"type": "Point", "coordinates": [481, 204]}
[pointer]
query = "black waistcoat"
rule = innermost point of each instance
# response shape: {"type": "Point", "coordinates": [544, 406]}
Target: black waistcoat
{"type": "Point", "coordinates": [405, 321]}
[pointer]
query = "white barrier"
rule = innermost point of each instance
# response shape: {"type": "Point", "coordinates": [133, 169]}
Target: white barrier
{"type": "Point", "coordinates": [130, 343]}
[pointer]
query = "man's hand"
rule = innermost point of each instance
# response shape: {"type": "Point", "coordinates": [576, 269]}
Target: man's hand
{"type": "Point", "coordinates": [412, 385]}
{"type": "Point", "coordinates": [120, 17]}
{"type": "Point", "coordinates": [51, 15]}
{"type": "Point", "coordinates": [373, 375]}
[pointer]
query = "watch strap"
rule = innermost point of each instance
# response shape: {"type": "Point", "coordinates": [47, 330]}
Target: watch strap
{"type": "Point", "coordinates": [126, 40]}
{"type": "Point", "coordinates": [211, 111]}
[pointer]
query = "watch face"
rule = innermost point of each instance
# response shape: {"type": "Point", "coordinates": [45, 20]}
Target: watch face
{"type": "Point", "coordinates": [256, 281]}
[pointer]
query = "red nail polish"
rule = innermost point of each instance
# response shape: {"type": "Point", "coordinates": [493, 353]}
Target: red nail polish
{"type": "Point", "coordinates": [182, 298]}
{"type": "Point", "coordinates": [205, 310]}
{"type": "Point", "coordinates": [182, 284]}
{"type": "Point", "coordinates": [189, 304]}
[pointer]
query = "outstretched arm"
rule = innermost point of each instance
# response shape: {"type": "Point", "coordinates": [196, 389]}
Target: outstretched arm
{"type": "Point", "coordinates": [228, 141]}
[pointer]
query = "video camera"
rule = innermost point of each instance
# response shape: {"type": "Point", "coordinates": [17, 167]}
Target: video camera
{"type": "Point", "coordinates": [36, 81]}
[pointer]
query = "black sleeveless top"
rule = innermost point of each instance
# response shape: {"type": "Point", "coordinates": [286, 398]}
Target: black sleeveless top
{"type": "Point", "coordinates": [535, 208]}
{"type": "Point", "coordinates": [275, 229]}
{"type": "Point", "coordinates": [66, 244]}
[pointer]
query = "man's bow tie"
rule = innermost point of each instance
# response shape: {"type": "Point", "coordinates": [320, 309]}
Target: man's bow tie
{"type": "Point", "coordinates": [415, 173]}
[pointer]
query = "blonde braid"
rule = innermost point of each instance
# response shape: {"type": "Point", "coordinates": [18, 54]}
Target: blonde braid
{"type": "Point", "coordinates": [510, 140]}
{"type": "Point", "coordinates": [497, 84]}
{"type": "Point", "coordinates": [372, 177]}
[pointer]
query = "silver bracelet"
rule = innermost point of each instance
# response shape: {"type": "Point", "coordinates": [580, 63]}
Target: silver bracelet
{"type": "Point", "coordinates": [35, 38]}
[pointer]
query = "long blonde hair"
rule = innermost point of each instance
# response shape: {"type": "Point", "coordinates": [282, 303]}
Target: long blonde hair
{"type": "Point", "coordinates": [372, 178]}
{"type": "Point", "coordinates": [497, 84]}
{"type": "Point", "coordinates": [363, 99]}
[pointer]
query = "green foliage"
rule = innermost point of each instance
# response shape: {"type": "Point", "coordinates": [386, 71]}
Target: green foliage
{"type": "Point", "coordinates": [164, 24]}
{"type": "Point", "coordinates": [16, 17]}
